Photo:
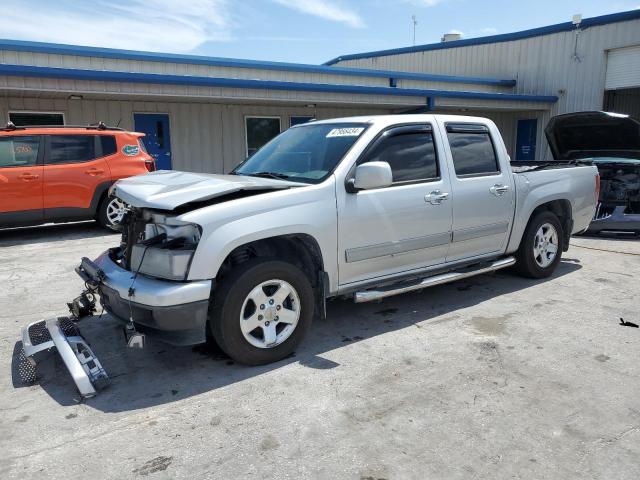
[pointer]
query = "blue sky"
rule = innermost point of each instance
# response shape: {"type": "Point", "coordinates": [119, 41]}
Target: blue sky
{"type": "Point", "coordinates": [305, 31]}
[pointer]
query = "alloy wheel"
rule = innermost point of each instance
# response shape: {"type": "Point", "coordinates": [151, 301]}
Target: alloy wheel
{"type": "Point", "coordinates": [545, 245]}
{"type": "Point", "coordinates": [270, 313]}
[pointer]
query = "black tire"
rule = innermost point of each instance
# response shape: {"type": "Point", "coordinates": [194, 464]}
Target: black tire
{"type": "Point", "coordinates": [102, 215]}
{"type": "Point", "coordinates": [228, 298]}
{"type": "Point", "coordinates": [526, 264]}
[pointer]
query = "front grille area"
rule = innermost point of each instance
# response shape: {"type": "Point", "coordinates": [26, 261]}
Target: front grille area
{"type": "Point", "coordinates": [68, 327]}
{"type": "Point", "coordinates": [38, 333]}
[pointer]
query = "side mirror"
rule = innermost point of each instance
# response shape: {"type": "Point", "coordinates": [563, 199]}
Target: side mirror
{"type": "Point", "coordinates": [372, 175]}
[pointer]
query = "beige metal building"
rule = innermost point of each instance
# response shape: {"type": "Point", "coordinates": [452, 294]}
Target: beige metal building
{"type": "Point", "coordinates": [207, 114]}
{"type": "Point", "coordinates": [589, 64]}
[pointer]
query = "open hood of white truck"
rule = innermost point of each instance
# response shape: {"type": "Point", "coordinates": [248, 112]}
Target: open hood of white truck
{"type": "Point", "coordinates": [574, 136]}
{"type": "Point", "coordinates": [167, 190]}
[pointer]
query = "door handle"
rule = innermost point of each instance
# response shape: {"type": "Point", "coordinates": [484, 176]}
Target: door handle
{"type": "Point", "coordinates": [436, 197]}
{"type": "Point", "coordinates": [27, 177]}
{"type": "Point", "coordinates": [94, 171]}
{"type": "Point", "coordinates": [499, 190]}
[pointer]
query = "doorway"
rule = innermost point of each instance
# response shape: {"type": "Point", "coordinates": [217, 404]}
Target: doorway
{"type": "Point", "coordinates": [526, 139]}
{"type": "Point", "coordinates": [158, 139]}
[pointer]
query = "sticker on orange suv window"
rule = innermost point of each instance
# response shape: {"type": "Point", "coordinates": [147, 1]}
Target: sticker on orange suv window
{"type": "Point", "coordinates": [131, 150]}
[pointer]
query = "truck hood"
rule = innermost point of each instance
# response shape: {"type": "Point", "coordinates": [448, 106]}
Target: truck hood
{"type": "Point", "coordinates": [593, 134]}
{"type": "Point", "coordinates": [167, 190]}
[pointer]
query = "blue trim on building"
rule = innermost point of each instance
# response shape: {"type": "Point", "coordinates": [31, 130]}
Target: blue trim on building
{"type": "Point", "coordinates": [59, 49]}
{"type": "Point", "coordinates": [153, 78]}
{"type": "Point", "coordinates": [505, 37]}
{"type": "Point", "coordinates": [430, 104]}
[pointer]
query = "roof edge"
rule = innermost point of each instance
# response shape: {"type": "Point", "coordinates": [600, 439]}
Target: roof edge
{"type": "Point", "coordinates": [504, 37]}
{"type": "Point", "coordinates": [155, 78]}
{"type": "Point", "coordinates": [83, 51]}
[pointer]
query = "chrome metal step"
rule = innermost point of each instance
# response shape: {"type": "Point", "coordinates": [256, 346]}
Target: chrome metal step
{"type": "Point", "coordinates": [396, 289]}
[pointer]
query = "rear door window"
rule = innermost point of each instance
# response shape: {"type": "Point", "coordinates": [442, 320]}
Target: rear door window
{"type": "Point", "coordinates": [19, 151]}
{"type": "Point", "coordinates": [472, 150]}
{"type": "Point", "coordinates": [71, 149]}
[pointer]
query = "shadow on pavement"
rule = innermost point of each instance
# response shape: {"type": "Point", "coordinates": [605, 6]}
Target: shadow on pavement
{"type": "Point", "coordinates": [52, 233]}
{"type": "Point", "coordinates": [160, 373]}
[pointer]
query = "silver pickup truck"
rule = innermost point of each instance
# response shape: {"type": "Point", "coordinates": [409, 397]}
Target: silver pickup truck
{"type": "Point", "coordinates": [365, 207]}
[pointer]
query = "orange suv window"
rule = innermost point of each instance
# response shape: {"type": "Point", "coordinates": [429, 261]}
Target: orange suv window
{"type": "Point", "coordinates": [79, 148]}
{"type": "Point", "coordinates": [20, 151]}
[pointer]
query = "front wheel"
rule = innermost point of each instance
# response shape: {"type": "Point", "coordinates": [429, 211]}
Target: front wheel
{"type": "Point", "coordinates": [541, 246]}
{"type": "Point", "coordinates": [110, 213]}
{"type": "Point", "coordinates": [261, 311]}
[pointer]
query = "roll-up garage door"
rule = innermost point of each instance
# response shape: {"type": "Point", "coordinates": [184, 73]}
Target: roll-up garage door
{"type": "Point", "coordinates": [623, 68]}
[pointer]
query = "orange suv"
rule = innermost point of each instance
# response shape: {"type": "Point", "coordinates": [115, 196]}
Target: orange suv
{"type": "Point", "coordinates": [63, 173]}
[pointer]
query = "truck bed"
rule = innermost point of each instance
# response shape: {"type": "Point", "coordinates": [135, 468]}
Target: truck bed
{"type": "Point", "coordinates": [521, 166]}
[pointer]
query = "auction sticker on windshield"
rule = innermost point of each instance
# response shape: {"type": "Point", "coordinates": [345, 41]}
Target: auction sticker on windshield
{"type": "Point", "coordinates": [345, 132]}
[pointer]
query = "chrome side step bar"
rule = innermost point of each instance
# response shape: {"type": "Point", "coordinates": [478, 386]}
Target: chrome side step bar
{"type": "Point", "coordinates": [62, 334]}
{"type": "Point", "coordinates": [396, 289]}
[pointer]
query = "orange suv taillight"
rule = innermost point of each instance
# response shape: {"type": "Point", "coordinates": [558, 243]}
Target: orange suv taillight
{"type": "Point", "coordinates": [150, 165]}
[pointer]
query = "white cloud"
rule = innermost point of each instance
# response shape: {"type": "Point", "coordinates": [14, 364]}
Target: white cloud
{"type": "Point", "coordinates": [425, 3]}
{"type": "Point", "coordinates": [325, 9]}
{"type": "Point", "coordinates": [156, 25]}
{"type": "Point", "coordinates": [488, 31]}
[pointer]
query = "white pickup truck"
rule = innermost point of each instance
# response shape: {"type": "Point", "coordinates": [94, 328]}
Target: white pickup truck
{"type": "Point", "coordinates": [365, 207]}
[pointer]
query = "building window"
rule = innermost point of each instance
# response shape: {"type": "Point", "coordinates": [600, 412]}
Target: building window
{"type": "Point", "coordinates": [412, 157]}
{"type": "Point", "coordinates": [26, 119]}
{"type": "Point", "coordinates": [259, 130]}
{"type": "Point", "coordinates": [472, 150]}
{"type": "Point", "coordinates": [299, 119]}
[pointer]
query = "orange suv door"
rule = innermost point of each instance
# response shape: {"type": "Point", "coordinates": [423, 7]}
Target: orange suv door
{"type": "Point", "coordinates": [20, 180]}
{"type": "Point", "coordinates": [74, 169]}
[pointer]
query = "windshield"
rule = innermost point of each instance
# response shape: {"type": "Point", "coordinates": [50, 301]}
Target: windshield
{"type": "Point", "coordinates": [306, 153]}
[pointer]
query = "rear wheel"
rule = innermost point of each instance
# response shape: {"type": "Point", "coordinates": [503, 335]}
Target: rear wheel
{"type": "Point", "coordinates": [541, 246]}
{"type": "Point", "coordinates": [110, 212]}
{"type": "Point", "coordinates": [261, 311]}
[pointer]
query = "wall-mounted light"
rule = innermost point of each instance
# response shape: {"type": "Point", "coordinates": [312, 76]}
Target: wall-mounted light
{"type": "Point", "coordinates": [310, 105]}
{"type": "Point", "coordinates": [75, 97]}
{"type": "Point", "coordinates": [577, 21]}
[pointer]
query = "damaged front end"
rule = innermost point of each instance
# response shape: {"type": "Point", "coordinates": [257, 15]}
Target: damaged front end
{"type": "Point", "coordinates": [156, 244]}
{"type": "Point", "coordinates": [618, 208]}
{"type": "Point", "coordinates": [143, 282]}
{"type": "Point", "coordinates": [612, 142]}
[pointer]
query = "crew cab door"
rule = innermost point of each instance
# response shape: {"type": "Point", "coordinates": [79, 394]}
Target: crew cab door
{"type": "Point", "coordinates": [74, 169]}
{"type": "Point", "coordinates": [483, 190]}
{"type": "Point", "coordinates": [20, 180]}
{"type": "Point", "coordinates": [404, 226]}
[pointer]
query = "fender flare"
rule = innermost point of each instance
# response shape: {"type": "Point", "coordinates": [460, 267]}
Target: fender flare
{"type": "Point", "coordinates": [98, 194]}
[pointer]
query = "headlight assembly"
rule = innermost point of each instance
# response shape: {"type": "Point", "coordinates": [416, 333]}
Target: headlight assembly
{"type": "Point", "coordinates": [170, 256]}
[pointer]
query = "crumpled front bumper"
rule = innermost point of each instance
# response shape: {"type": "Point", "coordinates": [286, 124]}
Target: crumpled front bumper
{"type": "Point", "coordinates": [174, 312]}
{"type": "Point", "coordinates": [62, 334]}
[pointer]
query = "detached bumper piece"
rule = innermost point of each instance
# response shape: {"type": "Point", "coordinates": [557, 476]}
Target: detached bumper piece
{"type": "Point", "coordinates": [63, 335]}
